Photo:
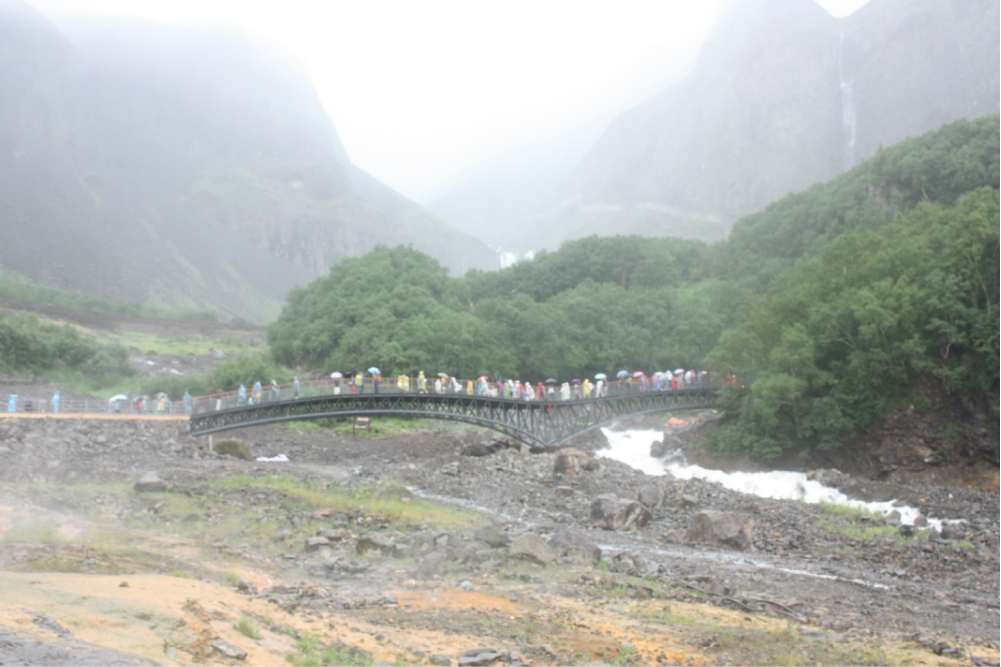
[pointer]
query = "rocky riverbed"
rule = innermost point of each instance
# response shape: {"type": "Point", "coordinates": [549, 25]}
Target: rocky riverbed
{"type": "Point", "coordinates": [553, 558]}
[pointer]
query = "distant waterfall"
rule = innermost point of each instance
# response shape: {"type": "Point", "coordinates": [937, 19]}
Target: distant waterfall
{"type": "Point", "coordinates": [847, 107]}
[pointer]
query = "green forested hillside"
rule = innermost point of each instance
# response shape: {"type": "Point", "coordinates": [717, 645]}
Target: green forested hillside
{"type": "Point", "coordinates": [829, 303]}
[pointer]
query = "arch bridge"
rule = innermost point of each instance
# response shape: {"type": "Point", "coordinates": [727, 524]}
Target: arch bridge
{"type": "Point", "coordinates": [535, 423]}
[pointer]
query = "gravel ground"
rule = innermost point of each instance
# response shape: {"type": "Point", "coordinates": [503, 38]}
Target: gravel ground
{"type": "Point", "coordinates": [807, 562]}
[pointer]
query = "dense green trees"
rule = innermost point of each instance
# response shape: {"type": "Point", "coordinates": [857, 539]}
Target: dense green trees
{"type": "Point", "coordinates": [838, 342]}
{"type": "Point", "coordinates": [29, 345]}
{"type": "Point", "coordinates": [596, 305]}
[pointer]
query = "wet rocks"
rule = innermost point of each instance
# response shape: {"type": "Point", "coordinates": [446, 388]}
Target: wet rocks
{"type": "Point", "coordinates": [376, 543]}
{"type": "Point", "coordinates": [235, 448]}
{"type": "Point", "coordinates": [150, 482]}
{"type": "Point", "coordinates": [576, 546]}
{"type": "Point", "coordinates": [652, 496]}
{"type": "Point", "coordinates": [493, 535]}
{"type": "Point", "coordinates": [571, 462]}
{"type": "Point", "coordinates": [531, 547]}
{"type": "Point", "coordinates": [730, 529]}
{"type": "Point", "coordinates": [613, 513]}
{"type": "Point", "coordinates": [229, 650]}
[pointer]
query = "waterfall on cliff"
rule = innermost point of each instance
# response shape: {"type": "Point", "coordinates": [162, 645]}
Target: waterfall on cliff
{"type": "Point", "coordinates": [847, 107]}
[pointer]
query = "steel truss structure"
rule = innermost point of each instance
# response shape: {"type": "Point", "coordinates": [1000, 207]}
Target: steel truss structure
{"type": "Point", "coordinates": [535, 423]}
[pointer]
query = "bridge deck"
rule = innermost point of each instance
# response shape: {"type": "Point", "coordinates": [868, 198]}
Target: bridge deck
{"type": "Point", "coordinates": [532, 422]}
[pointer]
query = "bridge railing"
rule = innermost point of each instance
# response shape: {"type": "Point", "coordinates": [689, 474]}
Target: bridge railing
{"type": "Point", "coordinates": [347, 387]}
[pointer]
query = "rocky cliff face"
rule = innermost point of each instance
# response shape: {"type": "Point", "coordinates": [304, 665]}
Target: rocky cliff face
{"type": "Point", "coordinates": [181, 168]}
{"type": "Point", "coordinates": [783, 96]}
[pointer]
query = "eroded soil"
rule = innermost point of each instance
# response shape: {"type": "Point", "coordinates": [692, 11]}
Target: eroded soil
{"type": "Point", "coordinates": [88, 565]}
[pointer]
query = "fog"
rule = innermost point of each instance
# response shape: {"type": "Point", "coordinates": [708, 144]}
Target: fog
{"type": "Point", "coordinates": [425, 94]}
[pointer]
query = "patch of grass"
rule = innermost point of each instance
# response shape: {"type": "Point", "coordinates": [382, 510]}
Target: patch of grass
{"type": "Point", "coordinates": [248, 629]}
{"type": "Point", "coordinates": [855, 532]}
{"type": "Point", "coordinates": [180, 574]}
{"type": "Point", "coordinates": [232, 578]}
{"type": "Point", "coordinates": [182, 345]}
{"type": "Point", "coordinates": [314, 495]}
{"type": "Point", "coordinates": [301, 426]}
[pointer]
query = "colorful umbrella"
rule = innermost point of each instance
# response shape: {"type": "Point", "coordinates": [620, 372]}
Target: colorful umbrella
{"type": "Point", "coordinates": [374, 371]}
{"type": "Point", "coordinates": [622, 374]}
{"type": "Point", "coordinates": [637, 374]}
{"type": "Point", "coordinates": [600, 376]}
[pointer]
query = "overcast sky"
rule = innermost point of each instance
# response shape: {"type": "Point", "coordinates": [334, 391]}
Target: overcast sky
{"type": "Point", "coordinates": [424, 91]}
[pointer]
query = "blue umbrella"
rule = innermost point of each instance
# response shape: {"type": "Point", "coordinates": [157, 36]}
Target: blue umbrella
{"type": "Point", "coordinates": [622, 374]}
{"type": "Point", "coordinates": [600, 376]}
{"type": "Point", "coordinates": [375, 371]}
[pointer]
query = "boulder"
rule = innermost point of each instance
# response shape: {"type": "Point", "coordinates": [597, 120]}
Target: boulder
{"type": "Point", "coordinates": [731, 529]}
{"type": "Point", "coordinates": [315, 543]}
{"type": "Point", "coordinates": [652, 496]}
{"type": "Point", "coordinates": [434, 563]}
{"type": "Point", "coordinates": [234, 448]}
{"type": "Point", "coordinates": [531, 547]}
{"type": "Point", "coordinates": [493, 535]}
{"type": "Point", "coordinates": [613, 513]}
{"type": "Point", "coordinates": [575, 545]}
{"type": "Point", "coordinates": [376, 542]}
{"type": "Point", "coordinates": [571, 462]}
{"type": "Point", "coordinates": [150, 483]}
{"type": "Point", "coordinates": [229, 650]}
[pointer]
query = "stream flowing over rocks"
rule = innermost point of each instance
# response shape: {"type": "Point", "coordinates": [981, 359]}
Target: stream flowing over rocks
{"type": "Point", "coordinates": [573, 509]}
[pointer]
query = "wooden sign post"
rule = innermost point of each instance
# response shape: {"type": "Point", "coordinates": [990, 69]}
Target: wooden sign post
{"type": "Point", "coordinates": [361, 424]}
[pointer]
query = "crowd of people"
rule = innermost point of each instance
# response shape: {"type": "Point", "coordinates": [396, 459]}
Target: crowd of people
{"type": "Point", "coordinates": [548, 390]}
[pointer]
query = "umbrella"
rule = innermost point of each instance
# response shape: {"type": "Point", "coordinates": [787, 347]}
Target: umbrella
{"type": "Point", "coordinates": [482, 378]}
{"type": "Point", "coordinates": [443, 375]}
{"type": "Point", "coordinates": [336, 374]}
{"type": "Point", "coordinates": [622, 374]}
{"type": "Point", "coordinates": [119, 397]}
{"type": "Point", "coordinates": [637, 374]}
{"type": "Point", "coordinates": [575, 381]}
{"type": "Point", "coordinates": [550, 380]}
{"type": "Point", "coordinates": [679, 371]}
{"type": "Point", "coordinates": [375, 371]}
{"type": "Point", "coordinates": [600, 376]}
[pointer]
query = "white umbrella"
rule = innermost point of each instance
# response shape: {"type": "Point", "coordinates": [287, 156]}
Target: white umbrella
{"type": "Point", "coordinates": [336, 374]}
{"type": "Point", "coordinates": [679, 371]}
{"type": "Point", "coordinates": [119, 397]}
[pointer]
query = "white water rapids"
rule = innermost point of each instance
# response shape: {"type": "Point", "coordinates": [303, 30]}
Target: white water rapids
{"type": "Point", "coordinates": [633, 449]}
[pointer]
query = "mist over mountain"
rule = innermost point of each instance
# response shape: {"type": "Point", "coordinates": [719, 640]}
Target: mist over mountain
{"type": "Point", "coordinates": [182, 168]}
{"type": "Point", "coordinates": [782, 96]}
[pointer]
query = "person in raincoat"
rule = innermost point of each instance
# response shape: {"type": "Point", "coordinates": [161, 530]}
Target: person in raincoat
{"type": "Point", "coordinates": [565, 391]}
{"type": "Point", "coordinates": [161, 404]}
{"type": "Point", "coordinates": [257, 393]}
{"type": "Point", "coordinates": [437, 386]}
{"type": "Point", "coordinates": [187, 403]}
{"type": "Point", "coordinates": [587, 388]}
{"type": "Point", "coordinates": [241, 396]}
{"type": "Point", "coordinates": [359, 384]}
{"type": "Point", "coordinates": [275, 391]}
{"type": "Point", "coordinates": [403, 383]}
{"type": "Point", "coordinates": [469, 387]}
{"type": "Point", "coordinates": [295, 386]}
{"type": "Point", "coordinates": [12, 403]}
{"type": "Point", "coordinates": [422, 383]}
{"type": "Point", "coordinates": [55, 402]}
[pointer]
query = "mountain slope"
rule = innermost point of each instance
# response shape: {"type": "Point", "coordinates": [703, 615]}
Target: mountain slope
{"type": "Point", "coordinates": [783, 96]}
{"type": "Point", "coordinates": [181, 168]}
